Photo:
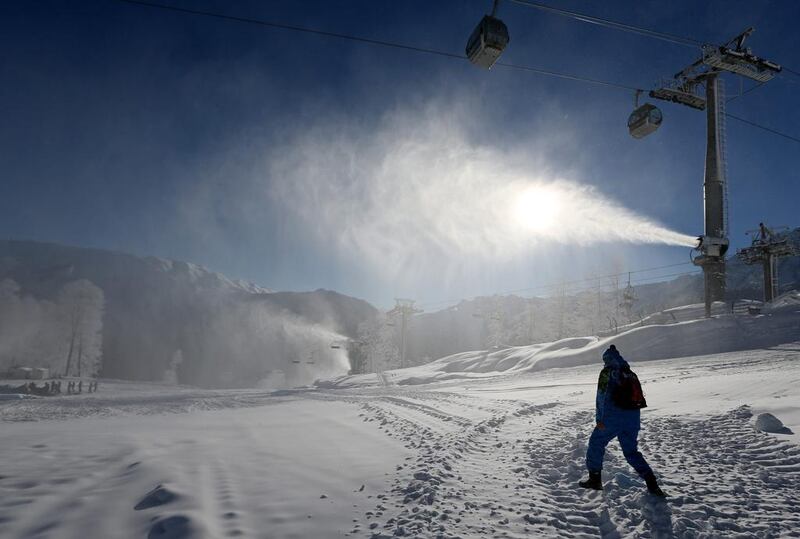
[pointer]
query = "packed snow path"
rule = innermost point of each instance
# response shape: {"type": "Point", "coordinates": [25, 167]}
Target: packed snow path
{"type": "Point", "coordinates": [497, 457]}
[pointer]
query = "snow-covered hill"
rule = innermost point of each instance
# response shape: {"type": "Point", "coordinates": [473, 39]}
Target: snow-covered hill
{"type": "Point", "coordinates": [678, 332]}
{"type": "Point", "coordinates": [506, 320]}
{"type": "Point", "coordinates": [166, 318]}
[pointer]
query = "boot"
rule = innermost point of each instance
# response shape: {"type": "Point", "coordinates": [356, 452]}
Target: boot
{"type": "Point", "coordinates": [652, 486]}
{"type": "Point", "coordinates": [594, 482]}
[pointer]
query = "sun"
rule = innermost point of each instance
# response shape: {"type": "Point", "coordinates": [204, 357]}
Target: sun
{"type": "Point", "coordinates": [537, 208]}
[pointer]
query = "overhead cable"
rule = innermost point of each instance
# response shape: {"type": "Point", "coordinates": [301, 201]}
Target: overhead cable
{"type": "Point", "coordinates": [754, 87]}
{"type": "Point", "coordinates": [575, 290]}
{"type": "Point", "coordinates": [562, 283]}
{"type": "Point", "coordinates": [792, 71]}
{"type": "Point", "coordinates": [642, 281]}
{"type": "Point", "coordinates": [769, 130]}
{"type": "Point", "coordinates": [370, 41]}
{"type": "Point", "coordinates": [413, 48]}
{"type": "Point", "coordinates": [294, 28]}
{"type": "Point", "coordinates": [686, 41]}
{"type": "Point", "coordinates": [625, 27]}
{"type": "Point", "coordinates": [568, 76]}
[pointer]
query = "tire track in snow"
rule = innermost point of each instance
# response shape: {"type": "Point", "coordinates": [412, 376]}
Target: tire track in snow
{"type": "Point", "coordinates": [427, 410]}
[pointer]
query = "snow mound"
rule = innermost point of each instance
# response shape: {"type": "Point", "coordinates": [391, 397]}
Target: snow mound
{"type": "Point", "coordinates": [175, 527]}
{"type": "Point", "coordinates": [160, 495]}
{"type": "Point", "coordinates": [769, 423]}
{"type": "Point", "coordinates": [787, 299]}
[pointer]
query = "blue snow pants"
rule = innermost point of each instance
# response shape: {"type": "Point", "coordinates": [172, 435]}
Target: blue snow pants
{"type": "Point", "coordinates": [627, 435]}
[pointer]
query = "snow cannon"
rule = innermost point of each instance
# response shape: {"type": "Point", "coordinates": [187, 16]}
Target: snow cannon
{"type": "Point", "coordinates": [712, 251]}
{"type": "Point", "coordinates": [710, 246]}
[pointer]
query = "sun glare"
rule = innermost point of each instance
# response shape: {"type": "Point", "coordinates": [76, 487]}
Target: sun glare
{"type": "Point", "coordinates": [537, 208]}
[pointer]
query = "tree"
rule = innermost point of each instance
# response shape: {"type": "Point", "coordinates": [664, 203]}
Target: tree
{"type": "Point", "coordinates": [28, 328]}
{"type": "Point", "coordinates": [81, 304]}
{"type": "Point", "coordinates": [379, 344]}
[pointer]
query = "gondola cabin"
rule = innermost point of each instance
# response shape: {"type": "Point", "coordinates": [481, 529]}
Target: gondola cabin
{"type": "Point", "coordinates": [644, 120]}
{"type": "Point", "coordinates": [487, 42]}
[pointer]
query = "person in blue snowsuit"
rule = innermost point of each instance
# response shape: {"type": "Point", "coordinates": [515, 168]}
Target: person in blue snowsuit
{"type": "Point", "coordinates": [615, 422]}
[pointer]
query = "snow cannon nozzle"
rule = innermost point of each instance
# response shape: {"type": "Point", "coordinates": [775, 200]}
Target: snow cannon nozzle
{"type": "Point", "coordinates": [712, 247]}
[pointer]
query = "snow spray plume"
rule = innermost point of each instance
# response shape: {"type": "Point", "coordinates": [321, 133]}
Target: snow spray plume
{"type": "Point", "coordinates": [417, 191]}
{"type": "Point", "coordinates": [266, 346]}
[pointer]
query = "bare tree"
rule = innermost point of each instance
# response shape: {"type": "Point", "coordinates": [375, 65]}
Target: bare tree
{"type": "Point", "coordinates": [82, 305]}
{"type": "Point", "coordinates": [380, 344]}
{"type": "Point", "coordinates": [28, 328]}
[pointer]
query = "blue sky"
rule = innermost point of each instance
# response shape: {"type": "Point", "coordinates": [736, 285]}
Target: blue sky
{"type": "Point", "coordinates": [157, 133]}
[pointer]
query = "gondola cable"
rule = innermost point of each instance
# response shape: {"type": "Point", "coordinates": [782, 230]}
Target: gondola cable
{"type": "Point", "coordinates": [413, 48]}
{"type": "Point", "coordinates": [670, 38]}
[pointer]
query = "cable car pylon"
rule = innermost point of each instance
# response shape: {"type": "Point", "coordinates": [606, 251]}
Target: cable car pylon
{"type": "Point", "coordinates": [684, 89]}
{"type": "Point", "coordinates": [768, 245]}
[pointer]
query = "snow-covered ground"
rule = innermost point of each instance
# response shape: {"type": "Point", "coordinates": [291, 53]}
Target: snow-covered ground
{"type": "Point", "coordinates": [231, 466]}
{"type": "Point", "coordinates": [491, 452]}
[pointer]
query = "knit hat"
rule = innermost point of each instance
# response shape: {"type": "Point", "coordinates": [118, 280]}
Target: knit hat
{"type": "Point", "coordinates": [611, 353]}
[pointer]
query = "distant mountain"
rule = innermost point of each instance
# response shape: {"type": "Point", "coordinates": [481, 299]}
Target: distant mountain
{"type": "Point", "coordinates": [165, 315]}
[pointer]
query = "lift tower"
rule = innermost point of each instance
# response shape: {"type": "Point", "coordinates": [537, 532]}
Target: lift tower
{"type": "Point", "coordinates": [714, 243]}
{"type": "Point", "coordinates": [684, 89]}
{"type": "Point", "coordinates": [767, 247]}
{"type": "Point", "coordinates": [405, 309]}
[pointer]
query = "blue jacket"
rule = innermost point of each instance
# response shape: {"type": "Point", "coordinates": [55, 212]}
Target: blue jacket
{"type": "Point", "coordinates": [605, 410]}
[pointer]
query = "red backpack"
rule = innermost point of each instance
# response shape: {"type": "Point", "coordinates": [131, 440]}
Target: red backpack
{"type": "Point", "coordinates": [628, 393]}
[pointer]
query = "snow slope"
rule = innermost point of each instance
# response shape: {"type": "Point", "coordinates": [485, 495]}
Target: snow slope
{"type": "Point", "coordinates": [689, 335]}
{"type": "Point", "coordinates": [494, 452]}
{"type": "Point", "coordinates": [288, 468]}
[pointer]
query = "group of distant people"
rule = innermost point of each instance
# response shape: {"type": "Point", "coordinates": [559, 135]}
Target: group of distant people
{"type": "Point", "coordinates": [54, 388]}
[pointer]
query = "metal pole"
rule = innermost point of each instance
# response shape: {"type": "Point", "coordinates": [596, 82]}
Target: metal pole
{"type": "Point", "coordinates": [713, 196]}
{"type": "Point", "coordinates": [404, 313]}
{"type": "Point", "coordinates": [774, 274]}
{"type": "Point", "coordinates": [768, 261]}
{"type": "Point", "coordinates": [531, 321]}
